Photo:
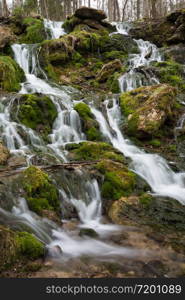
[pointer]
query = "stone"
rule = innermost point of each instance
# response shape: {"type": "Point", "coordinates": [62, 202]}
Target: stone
{"type": "Point", "coordinates": [109, 69]}
{"type": "Point", "coordinates": [6, 36]}
{"type": "Point", "coordinates": [90, 13]}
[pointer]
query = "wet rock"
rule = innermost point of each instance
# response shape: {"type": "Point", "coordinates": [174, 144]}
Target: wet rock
{"type": "Point", "coordinates": [147, 109]}
{"type": "Point", "coordinates": [90, 13]}
{"type": "Point", "coordinates": [121, 42]}
{"type": "Point", "coordinates": [4, 154]}
{"type": "Point", "coordinates": [11, 75]}
{"type": "Point", "coordinates": [88, 232]}
{"type": "Point", "coordinates": [109, 69]}
{"type": "Point", "coordinates": [17, 161]}
{"type": "Point", "coordinates": [35, 111]}
{"type": "Point", "coordinates": [176, 52]}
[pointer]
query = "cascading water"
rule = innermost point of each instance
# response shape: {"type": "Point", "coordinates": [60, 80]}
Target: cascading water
{"type": "Point", "coordinates": [136, 76]}
{"type": "Point", "coordinates": [66, 129]}
{"type": "Point", "coordinates": [55, 28]}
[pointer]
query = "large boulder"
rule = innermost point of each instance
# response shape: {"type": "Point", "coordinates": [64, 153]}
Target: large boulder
{"type": "Point", "coordinates": [176, 52]}
{"type": "Point", "coordinates": [120, 42]}
{"type": "Point", "coordinates": [90, 13]}
{"type": "Point", "coordinates": [147, 109]}
{"type": "Point", "coordinates": [11, 75]}
{"type": "Point", "coordinates": [35, 111]}
{"type": "Point", "coordinates": [109, 69]}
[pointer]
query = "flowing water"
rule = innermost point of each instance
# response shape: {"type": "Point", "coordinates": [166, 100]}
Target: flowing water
{"type": "Point", "coordinates": [67, 129]}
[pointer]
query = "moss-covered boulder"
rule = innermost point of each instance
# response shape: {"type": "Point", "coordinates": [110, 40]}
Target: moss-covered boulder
{"type": "Point", "coordinates": [90, 13]}
{"type": "Point", "coordinates": [18, 247]}
{"type": "Point", "coordinates": [93, 151]}
{"type": "Point", "coordinates": [35, 111]}
{"type": "Point", "coordinates": [40, 192]}
{"type": "Point", "coordinates": [34, 31]}
{"type": "Point", "coordinates": [4, 154]}
{"type": "Point", "coordinates": [160, 213]}
{"type": "Point", "coordinates": [120, 42]}
{"type": "Point", "coordinates": [171, 73]}
{"type": "Point", "coordinates": [147, 109]}
{"type": "Point", "coordinates": [118, 180]}
{"type": "Point", "coordinates": [109, 69]}
{"type": "Point", "coordinates": [11, 75]}
{"type": "Point", "coordinates": [89, 125]}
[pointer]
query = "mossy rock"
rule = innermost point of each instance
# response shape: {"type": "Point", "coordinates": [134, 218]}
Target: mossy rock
{"type": "Point", "coordinates": [89, 125]}
{"type": "Point", "coordinates": [147, 109]}
{"type": "Point", "coordinates": [29, 246]}
{"type": "Point", "coordinates": [34, 32]}
{"type": "Point", "coordinates": [120, 42]}
{"type": "Point", "coordinates": [11, 75]}
{"type": "Point", "coordinates": [18, 247]}
{"type": "Point", "coordinates": [41, 193]}
{"type": "Point", "coordinates": [118, 181]}
{"type": "Point", "coordinates": [35, 111]}
{"type": "Point", "coordinates": [162, 214]}
{"type": "Point", "coordinates": [94, 151]}
{"type": "Point", "coordinates": [171, 73]}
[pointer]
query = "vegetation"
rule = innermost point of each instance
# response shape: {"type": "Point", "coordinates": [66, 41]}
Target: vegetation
{"type": "Point", "coordinates": [36, 112]}
{"type": "Point", "coordinates": [41, 193]}
{"type": "Point", "coordinates": [11, 75]}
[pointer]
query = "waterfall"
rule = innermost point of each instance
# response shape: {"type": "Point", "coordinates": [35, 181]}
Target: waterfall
{"type": "Point", "coordinates": [148, 53]}
{"type": "Point", "coordinates": [55, 28]}
{"type": "Point", "coordinates": [151, 167]}
{"type": "Point", "coordinates": [66, 129]}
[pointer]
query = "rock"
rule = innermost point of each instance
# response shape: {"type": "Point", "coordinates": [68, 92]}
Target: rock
{"type": "Point", "coordinates": [88, 232]}
{"type": "Point", "coordinates": [109, 69]}
{"type": "Point", "coordinates": [147, 109]}
{"type": "Point", "coordinates": [4, 154]}
{"type": "Point", "coordinates": [6, 36]}
{"type": "Point", "coordinates": [176, 52]}
{"type": "Point", "coordinates": [120, 42]}
{"type": "Point", "coordinates": [11, 75]}
{"type": "Point", "coordinates": [90, 13]}
{"type": "Point", "coordinates": [17, 161]}
{"type": "Point", "coordinates": [172, 27]}
{"type": "Point", "coordinates": [36, 112]}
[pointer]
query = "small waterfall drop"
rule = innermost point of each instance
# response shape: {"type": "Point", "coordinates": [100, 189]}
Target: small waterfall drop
{"type": "Point", "coordinates": [55, 28]}
{"type": "Point", "coordinates": [136, 76]}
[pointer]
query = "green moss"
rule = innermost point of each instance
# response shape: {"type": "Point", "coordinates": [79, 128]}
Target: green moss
{"type": "Point", "coordinates": [113, 83]}
{"type": "Point", "coordinates": [172, 73]}
{"type": "Point", "coordinates": [70, 23]}
{"type": "Point", "coordinates": [18, 247]}
{"type": "Point", "coordinates": [148, 108]}
{"type": "Point", "coordinates": [29, 246]}
{"type": "Point", "coordinates": [11, 75]}
{"type": "Point", "coordinates": [36, 112]}
{"type": "Point", "coordinates": [35, 31]}
{"type": "Point", "coordinates": [95, 151]}
{"type": "Point", "coordinates": [40, 191]}
{"type": "Point", "coordinates": [145, 199]}
{"type": "Point", "coordinates": [115, 55]}
{"type": "Point", "coordinates": [118, 180]}
{"type": "Point", "coordinates": [155, 143]}
{"type": "Point", "coordinates": [89, 124]}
